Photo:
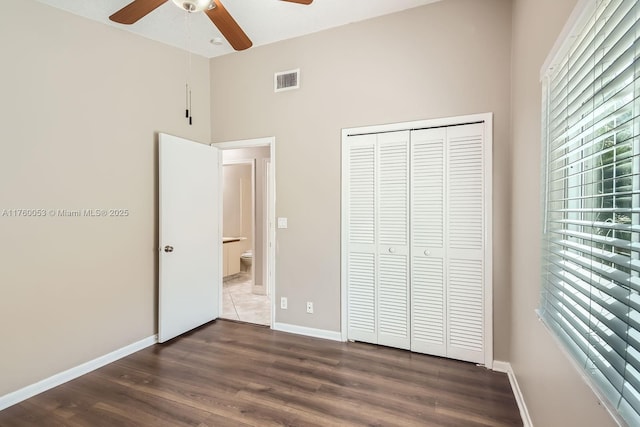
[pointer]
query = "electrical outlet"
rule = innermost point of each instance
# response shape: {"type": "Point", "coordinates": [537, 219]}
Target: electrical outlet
{"type": "Point", "coordinates": [309, 307]}
{"type": "Point", "coordinates": [283, 303]}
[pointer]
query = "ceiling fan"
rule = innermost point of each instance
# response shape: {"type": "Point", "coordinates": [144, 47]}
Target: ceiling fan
{"type": "Point", "coordinates": [229, 28]}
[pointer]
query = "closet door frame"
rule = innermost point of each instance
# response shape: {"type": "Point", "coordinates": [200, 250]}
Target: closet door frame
{"type": "Point", "coordinates": [487, 119]}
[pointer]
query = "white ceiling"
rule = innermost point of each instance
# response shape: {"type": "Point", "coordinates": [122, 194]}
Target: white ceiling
{"type": "Point", "coordinates": [264, 21]}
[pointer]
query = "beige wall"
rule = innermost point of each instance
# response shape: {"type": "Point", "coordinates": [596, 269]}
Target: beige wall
{"type": "Point", "coordinates": [80, 107]}
{"type": "Point", "coordinates": [446, 59]}
{"type": "Point", "coordinates": [554, 392]}
{"type": "Point", "coordinates": [237, 218]}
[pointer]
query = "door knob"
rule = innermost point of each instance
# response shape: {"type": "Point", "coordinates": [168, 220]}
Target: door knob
{"type": "Point", "coordinates": [427, 253]}
{"type": "Point", "coordinates": [168, 248]}
{"type": "Point", "coordinates": [392, 250]}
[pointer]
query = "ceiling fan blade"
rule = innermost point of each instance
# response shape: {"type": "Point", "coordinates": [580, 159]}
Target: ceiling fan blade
{"type": "Point", "coordinates": [228, 27]}
{"type": "Point", "coordinates": [299, 1]}
{"type": "Point", "coordinates": [135, 10]}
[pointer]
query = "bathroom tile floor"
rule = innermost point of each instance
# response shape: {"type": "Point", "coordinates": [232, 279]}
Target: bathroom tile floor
{"type": "Point", "coordinates": [240, 303]}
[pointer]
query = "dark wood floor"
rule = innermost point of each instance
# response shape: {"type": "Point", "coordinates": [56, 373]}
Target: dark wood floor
{"type": "Point", "coordinates": [232, 374]}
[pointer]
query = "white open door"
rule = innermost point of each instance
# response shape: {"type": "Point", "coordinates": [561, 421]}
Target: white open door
{"type": "Point", "coordinates": [190, 236]}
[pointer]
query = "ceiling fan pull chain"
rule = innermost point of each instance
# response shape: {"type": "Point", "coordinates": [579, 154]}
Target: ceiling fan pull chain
{"type": "Point", "coordinates": [190, 109]}
{"type": "Point", "coordinates": [186, 100]}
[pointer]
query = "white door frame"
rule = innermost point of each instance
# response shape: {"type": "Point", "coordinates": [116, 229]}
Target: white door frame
{"type": "Point", "coordinates": [271, 143]}
{"type": "Point", "coordinates": [487, 118]}
{"type": "Point", "coordinates": [267, 205]}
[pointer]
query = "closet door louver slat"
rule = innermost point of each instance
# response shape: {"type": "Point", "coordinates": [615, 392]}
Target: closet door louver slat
{"type": "Point", "coordinates": [465, 230]}
{"type": "Point", "coordinates": [361, 256]}
{"type": "Point", "coordinates": [393, 236]}
{"type": "Point", "coordinates": [428, 308]}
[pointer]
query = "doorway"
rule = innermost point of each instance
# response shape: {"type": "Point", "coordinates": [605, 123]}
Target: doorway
{"type": "Point", "coordinates": [248, 230]}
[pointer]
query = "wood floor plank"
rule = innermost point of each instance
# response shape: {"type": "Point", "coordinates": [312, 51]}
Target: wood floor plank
{"type": "Point", "coordinates": [233, 374]}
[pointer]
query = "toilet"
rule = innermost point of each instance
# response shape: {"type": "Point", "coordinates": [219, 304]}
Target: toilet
{"type": "Point", "coordinates": [245, 261]}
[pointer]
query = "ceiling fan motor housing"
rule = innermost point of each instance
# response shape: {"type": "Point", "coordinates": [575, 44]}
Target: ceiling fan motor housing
{"type": "Point", "coordinates": [195, 5]}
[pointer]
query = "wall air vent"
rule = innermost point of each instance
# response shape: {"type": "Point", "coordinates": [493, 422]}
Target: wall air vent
{"type": "Point", "coordinates": [286, 80]}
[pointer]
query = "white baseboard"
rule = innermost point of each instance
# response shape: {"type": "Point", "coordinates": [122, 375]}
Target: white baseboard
{"type": "Point", "coordinates": [500, 366]}
{"type": "Point", "coordinates": [505, 367]}
{"type": "Point", "coordinates": [310, 332]}
{"type": "Point", "coordinates": [73, 373]}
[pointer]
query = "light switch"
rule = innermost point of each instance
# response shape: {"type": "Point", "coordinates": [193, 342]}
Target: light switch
{"type": "Point", "coordinates": [282, 222]}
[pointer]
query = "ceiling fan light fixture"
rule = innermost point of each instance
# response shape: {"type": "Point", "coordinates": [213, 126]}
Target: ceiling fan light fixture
{"type": "Point", "coordinates": [195, 5]}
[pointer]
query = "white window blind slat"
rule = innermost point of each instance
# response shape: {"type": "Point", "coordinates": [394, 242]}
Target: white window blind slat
{"type": "Point", "coordinates": [595, 121]}
{"type": "Point", "coordinates": [607, 49]}
{"type": "Point", "coordinates": [620, 262]}
{"type": "Point", "coordinates": [590, 293]}
{"type": "Point", "coordinates": [577, 72]}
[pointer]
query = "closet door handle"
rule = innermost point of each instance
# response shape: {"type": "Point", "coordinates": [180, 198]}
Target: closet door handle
{"type": "Point", "coordinates": [427, 253]}
{"type": "Point", "coordinates": [392, 250]}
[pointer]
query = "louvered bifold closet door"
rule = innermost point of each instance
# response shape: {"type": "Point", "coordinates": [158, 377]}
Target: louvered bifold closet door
{"type": "Point", "coordinates": [361, 269]}
{"type": "Point", "coordinates": [393, 239]}
{"type": "Point", "coordinates": [465, 230]}
{"type": "Point", "coordinates": [428, 276]}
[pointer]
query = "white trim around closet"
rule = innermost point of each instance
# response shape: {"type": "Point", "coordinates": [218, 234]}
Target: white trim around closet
{"type": "Point", "coordinates": [487, 119]}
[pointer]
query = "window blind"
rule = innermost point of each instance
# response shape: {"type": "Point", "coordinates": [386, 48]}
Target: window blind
{"type": "Point", "coordinates": [590, 294]}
